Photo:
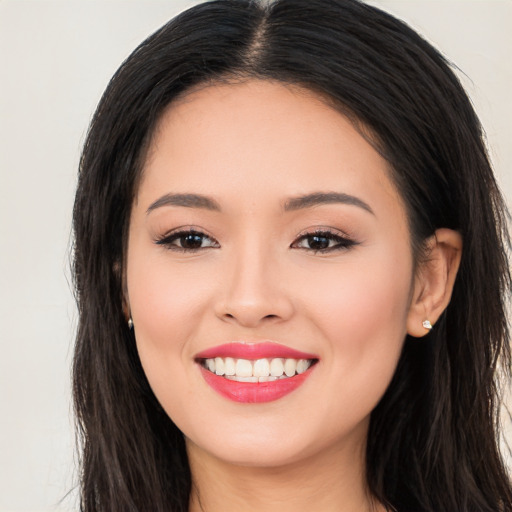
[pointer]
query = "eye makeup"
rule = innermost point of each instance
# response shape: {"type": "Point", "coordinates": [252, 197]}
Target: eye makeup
{"type": "Point", "coordinates": [323, 240]}
{"type": "Point", "coordinates": [319, 240]}
{"type": "Point", "coordinates": [187, 240]}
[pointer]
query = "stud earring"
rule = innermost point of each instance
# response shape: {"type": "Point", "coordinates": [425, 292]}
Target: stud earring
{"type": "Point", "coordinates": [130, 323]}
{"type": "Point", "coordinates": [427, 325]}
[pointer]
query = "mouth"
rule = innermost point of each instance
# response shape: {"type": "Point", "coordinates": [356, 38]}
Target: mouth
{"type": "Point", "coordinates": [255, 372]}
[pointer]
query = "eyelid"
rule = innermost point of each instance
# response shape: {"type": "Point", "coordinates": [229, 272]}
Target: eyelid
{"type": "Point", "coordinates": [345, 241]}
{"type": "Point", "coordinates": [315, 230]}
{"type": "Point", "coordinates": [174, 234]}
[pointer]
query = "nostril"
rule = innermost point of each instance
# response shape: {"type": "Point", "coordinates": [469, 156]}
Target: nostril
{"type": "Point", "coordinates": [252, 312]}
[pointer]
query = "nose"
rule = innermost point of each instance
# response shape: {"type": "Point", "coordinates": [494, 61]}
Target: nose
{"type": "Point", "coordinates": [254, 291]}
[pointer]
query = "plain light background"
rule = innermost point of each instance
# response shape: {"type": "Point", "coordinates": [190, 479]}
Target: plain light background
{"type": "Point", "coordinates": [56, 58]}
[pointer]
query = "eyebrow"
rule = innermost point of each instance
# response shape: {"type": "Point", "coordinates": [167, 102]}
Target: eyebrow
{"type": "Point", "coordinates": [320, 198]}
{"type": "Point", "coordinates": [293, 204]}
{"type": "Point", "coordinates": [185, 200]}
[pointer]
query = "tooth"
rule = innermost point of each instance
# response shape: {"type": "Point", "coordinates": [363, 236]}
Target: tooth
{"type": "Point", "coordinates": [246, 379]}
{"type": "Point", "coordinates": [236, 378]}
{"type": "Point", "coordinates": [261, 368]}
{"type": "Point", "coordinates": [210, 364]}
{"type": "Point", "coordinates": [266, 378]}
{"type": "Point", "coordinates": [276, 367]}
{"type": "Point", "coordinates": [243, 368]}
{"type": "Point", "coordinates": [229, 366]}
{"type": "Point", "coordinates": [289, 367]}
{"type": "Point", "coordinates": [302, 365]}
{"type": "Point", "coordinates": [219, 366]}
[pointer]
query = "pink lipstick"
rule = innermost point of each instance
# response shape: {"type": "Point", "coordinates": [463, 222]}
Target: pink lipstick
{"type": "Point", "coordinates": [254, 351]}
{"type": "Point", "coordinates": [255, 372]}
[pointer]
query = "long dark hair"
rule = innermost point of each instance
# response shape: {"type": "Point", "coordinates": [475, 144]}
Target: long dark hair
{"type": "Point", "coordinates": [433, 438]}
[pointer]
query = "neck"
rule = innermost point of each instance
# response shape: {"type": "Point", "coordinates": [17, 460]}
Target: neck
{"type": "Point", "coordinates": [333, 481]}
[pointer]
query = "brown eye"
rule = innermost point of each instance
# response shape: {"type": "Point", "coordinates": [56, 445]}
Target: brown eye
{"type": "Point", "coordinates": [187, 241]}
{"type": "Point", "coordinates": [324, 241]}
{"type": "Point", "coordinates": [318, 243]}
{"type": "Point", "coordinates": [191, 241]}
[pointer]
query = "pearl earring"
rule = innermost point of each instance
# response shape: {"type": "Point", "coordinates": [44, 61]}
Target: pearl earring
{"type": "Point", "coordinates": [427, 325]}
{"type": "Point", "coordinates": [130, 323]}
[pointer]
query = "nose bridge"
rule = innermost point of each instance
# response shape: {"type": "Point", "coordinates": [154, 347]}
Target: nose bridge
{"type": "Point", "coordinates": [253, 292]}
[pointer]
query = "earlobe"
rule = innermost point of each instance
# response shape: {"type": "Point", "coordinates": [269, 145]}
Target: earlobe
{"type": "Point", "coordinates": [435, 278]}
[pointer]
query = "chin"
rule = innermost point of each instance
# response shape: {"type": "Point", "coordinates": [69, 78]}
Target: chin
{"type": "Point", "coordinates": [277, 445]}
{"type": "Point", "coordinates": [261, 453]}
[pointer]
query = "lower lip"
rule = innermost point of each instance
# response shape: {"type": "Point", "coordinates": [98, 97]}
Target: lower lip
{"type": "Point", "coordinates": [254, 392]}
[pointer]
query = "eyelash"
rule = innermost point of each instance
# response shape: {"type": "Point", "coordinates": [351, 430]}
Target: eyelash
{"type": "Point", "coordinates": [168, 239]}
{"type": "Point", "coordinates": [342, 242]}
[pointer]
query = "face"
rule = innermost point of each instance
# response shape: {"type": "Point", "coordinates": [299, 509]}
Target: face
{"type": "Point", "coordinates": [267, 241]}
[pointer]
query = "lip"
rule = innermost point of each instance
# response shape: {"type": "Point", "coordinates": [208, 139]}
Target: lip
{"type": "Point", "coordinates": [253, 351]}
{"type": "Point", "coordinates": [254, 392]}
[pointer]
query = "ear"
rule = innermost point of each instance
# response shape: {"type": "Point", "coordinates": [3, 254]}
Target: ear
{"type": "Point", "coordinates": [434, 280]}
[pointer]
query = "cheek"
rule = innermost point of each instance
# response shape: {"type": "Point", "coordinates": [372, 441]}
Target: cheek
{"type": "Point", "coordinates": [164, 297]}
{"type": "Point", "coordinates": [363, 315]}
{"type": "Point", "coordinates": [166, 308]}
{"type": "Point", "coordinates": [365, 303]}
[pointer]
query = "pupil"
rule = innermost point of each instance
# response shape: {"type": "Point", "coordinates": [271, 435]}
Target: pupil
{"type": "Point", "coordinates": [319, 242]}
{"type": "Point", "coordinates": [192, 241]}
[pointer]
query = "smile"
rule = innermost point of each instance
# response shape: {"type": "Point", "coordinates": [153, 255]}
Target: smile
{"type": "Point", "coordinates": [254, 372]}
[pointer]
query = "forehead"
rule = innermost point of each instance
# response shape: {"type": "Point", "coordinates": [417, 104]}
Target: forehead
{"type": "Point", "coordinates": [260, 139]}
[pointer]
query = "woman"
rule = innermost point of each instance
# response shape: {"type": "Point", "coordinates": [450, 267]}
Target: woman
{"type": "Point", "coordinates": [291, 272]}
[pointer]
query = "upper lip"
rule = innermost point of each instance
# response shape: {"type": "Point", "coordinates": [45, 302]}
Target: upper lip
{"type": "Point", "coordinates": [258, 350]}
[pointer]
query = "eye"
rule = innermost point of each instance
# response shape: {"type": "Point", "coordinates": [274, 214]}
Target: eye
{"type": "Point", "coordinates": [323, 241]}
{"type": "Point", "coordinates": [187, 241]}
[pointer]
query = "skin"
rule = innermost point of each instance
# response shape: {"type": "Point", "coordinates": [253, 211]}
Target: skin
{"type": "Point", "coordinates": [251, 147]}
